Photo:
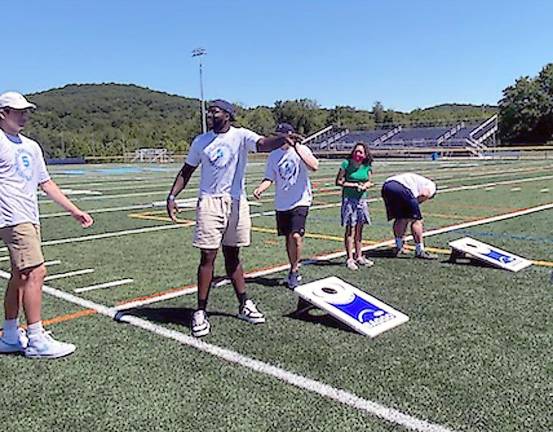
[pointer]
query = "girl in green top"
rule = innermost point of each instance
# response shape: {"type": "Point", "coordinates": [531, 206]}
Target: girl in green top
{"type": "Point", "coordinates": [354, 177]}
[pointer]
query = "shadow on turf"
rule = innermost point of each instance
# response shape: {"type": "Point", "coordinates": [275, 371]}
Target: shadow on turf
{"type": "Point", "coordinates": [175, 315]}
{"type": "Point", "coordinates": [308, 313]}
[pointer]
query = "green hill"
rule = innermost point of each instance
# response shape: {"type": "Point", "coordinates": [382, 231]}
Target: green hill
{"type": "Point", "coordinates": [110, 119]}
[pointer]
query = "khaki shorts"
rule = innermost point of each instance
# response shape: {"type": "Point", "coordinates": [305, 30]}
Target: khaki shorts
{"type": "Point", "coordinates": [222, 221]}
{"type": "Point", "coordinates": [23, 242]}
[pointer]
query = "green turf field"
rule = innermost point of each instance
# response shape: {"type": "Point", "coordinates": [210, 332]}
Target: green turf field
{"type": "Point", "coordinates": [475, 354]}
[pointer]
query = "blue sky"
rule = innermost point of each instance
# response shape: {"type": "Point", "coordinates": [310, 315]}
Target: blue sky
{"type": "Point", "coordinates": [406, 54]}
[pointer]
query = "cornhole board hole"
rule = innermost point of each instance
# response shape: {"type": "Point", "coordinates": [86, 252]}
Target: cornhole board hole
{"type": "Point", "coordinates": [348, 304]}
{"type": "Point", "coordinates": [471, 248]}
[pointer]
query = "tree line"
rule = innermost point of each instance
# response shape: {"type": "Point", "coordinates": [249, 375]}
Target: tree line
{"type": "Point", "coordinates": [113, 119]}
{"type": "Point", "coordinates": [526, 109]}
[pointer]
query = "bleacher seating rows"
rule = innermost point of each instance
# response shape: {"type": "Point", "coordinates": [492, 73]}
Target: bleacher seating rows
{"type": "Point", "coordinates": [418, 137]}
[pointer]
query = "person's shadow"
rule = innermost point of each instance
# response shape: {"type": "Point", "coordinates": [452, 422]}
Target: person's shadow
{"type": "Point", "coordinates": [168, 315]}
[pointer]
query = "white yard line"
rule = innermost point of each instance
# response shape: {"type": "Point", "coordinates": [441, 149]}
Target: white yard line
{"type": "Point", "coordinates": [344, 397]}
{"type": "Point", "coordinates": [68, 274]}
{"type": "Point", "coordinates": [104, 210]}
{"type": "Point", "coordinates": [104, 285]}
{"type": "Point", "coordinates": [51, 263]}
{"type": "Point", "coordinates": [107, 235]}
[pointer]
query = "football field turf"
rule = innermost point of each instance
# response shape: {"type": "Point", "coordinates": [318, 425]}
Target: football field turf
{"type": "Point", "coordinates": [475, 354]}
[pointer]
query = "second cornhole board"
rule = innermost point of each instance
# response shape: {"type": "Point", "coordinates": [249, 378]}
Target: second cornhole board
{"type": "Point", "coordinates": [487, 253]}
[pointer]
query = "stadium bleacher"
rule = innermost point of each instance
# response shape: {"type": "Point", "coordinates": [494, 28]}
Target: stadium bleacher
{"type": "Point", "coordinates": [474, 137]}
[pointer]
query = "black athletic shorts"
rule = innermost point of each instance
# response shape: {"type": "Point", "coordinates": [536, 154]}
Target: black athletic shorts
{"type": "Point", "coordinates": [400, 202]}
{"type": "Point", "coordinates": [292, 221]}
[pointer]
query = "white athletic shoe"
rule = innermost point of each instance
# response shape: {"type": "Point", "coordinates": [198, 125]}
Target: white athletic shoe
{"type": "Point", "coordinates": [362, 261]}
{"type": "Point", "coordinates": [351, 264]}
{"type": "Point", "coordinates": [19, 346]}
{"type": "Point", "coordinates": [200, 323]}
{"type": "Point", "coordinates": [250, 313]}
{"type": "Point", "coordinates": [45, 346]}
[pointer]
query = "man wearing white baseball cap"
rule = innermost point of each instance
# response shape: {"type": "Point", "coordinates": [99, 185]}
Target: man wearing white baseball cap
{"type": "Point", "coordinates": [22, 170]}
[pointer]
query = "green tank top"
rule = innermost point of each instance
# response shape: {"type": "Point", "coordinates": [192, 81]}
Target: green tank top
{"type": "Point", "coordinates": [355, 174]}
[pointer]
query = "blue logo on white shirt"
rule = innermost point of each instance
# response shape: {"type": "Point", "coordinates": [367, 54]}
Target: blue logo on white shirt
{"type": "Point", "coordinates": [288, 171]}
{"type": "Point", "coordinates": [24, 164]}
{"type": "Point", "coordinates": [219, 156]}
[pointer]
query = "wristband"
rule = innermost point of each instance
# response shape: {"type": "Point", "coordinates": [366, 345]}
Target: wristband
{"type": "Point", "coordinates": [171, 197]}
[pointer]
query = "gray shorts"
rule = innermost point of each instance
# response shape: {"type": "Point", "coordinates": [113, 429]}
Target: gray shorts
{"type": "Point", "coordinates": [355, 211]}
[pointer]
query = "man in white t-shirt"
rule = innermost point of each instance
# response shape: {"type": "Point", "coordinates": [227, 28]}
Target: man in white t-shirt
{"type": "Point", "coordinates": [402, 195]}
{"type": "Point", "coordinates": [22, 170]}
{"type": "Point", "coordinates": [222, 212]}
{"type": "Point", "coordinates": [287, 167]}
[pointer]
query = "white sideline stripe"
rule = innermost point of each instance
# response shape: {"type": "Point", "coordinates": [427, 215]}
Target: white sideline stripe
{"type": "Point", "coordinates": [104, 285]}
{"type": "Point", "coordinates": [4, 258]}
{"type": "Point", "coordinates": [68, 274]}
{"type": "Point", "coordinates": [344, 397]}
{"type": "Point", "coordinates": [51, 263]}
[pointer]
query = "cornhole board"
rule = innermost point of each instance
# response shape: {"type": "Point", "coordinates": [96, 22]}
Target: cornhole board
{"type": "Point", "coordinates": [469, 247]}
{"type": "Point", "coordinates": [348, 304]}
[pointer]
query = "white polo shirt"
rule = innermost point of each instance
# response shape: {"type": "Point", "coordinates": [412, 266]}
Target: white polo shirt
{"type": "Point", "coordinates": [415, 183]}
{"type": "Point", "coordinates": [223, 158]}
{"type": "Point", "coordinates": [22, 169]}
{"type": "Point", "coordinates": [289, 173]}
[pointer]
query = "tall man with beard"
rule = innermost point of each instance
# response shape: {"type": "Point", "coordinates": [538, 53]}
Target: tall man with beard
{"type": "Point", "coordinates": [222, 212]}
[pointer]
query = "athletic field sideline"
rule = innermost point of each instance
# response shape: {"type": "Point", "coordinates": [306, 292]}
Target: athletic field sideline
{"type": "Point", "coordinates": [474, 356]}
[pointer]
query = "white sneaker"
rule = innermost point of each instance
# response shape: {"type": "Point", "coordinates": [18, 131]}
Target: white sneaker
{"type": "Point", "coordinates": [249, 313]}
{"type": "Point", "coordinates": [19, 346]}
{"type": "Point", "coordinates": [350, 264]}
{"type": "Point", "coordinates": [45, 346]}
{"type": "Point", "coordinates": [362, 261]}
{"type": "Point", "coordinates": [200, 323]}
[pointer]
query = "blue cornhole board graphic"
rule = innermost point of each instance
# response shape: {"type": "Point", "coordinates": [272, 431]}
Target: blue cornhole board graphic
{"type": "Point", "coordinates": [489, 254]}
{"type": "Point", "coordinates": [350, 305]}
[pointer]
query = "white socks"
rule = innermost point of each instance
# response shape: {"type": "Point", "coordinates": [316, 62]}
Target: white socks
{"type": "Point", "coordinates": [419, 248]}
{"type": "Point", "coordinates": [35, 329]}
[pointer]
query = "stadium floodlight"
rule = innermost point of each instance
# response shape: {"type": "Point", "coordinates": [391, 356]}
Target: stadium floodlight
{"type": "Point", "coordinates": [200, 52]}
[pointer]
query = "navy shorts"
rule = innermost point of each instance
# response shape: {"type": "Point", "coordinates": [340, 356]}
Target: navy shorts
{"type": "Point", "coordinates": [400, 202]}
{"type": "Point", "coordinates": [292, 221]}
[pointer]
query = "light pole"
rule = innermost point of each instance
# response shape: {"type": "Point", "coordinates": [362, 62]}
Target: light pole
{"type": "Point", "coordinates": [200, 52]}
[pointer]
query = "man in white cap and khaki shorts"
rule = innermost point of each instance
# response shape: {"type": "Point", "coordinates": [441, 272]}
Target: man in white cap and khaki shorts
{"type": "Point", "coordinates": [22, 170]}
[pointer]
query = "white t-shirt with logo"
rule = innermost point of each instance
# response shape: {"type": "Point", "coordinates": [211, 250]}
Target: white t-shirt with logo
{"type": "Point", "coordinates": [290, 175]}
{"type": "Point", "coordinates": [415, 183]}
{"type": "Point", "coordinates": [223, 158]}
{"type": "Point", "coordinates": [22, 169]}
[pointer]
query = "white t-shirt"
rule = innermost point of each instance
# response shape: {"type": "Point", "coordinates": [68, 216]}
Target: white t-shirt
{"type": "Point", "coordinates": [22, 169]}
{"type": "Point", "coordinates": [223, 158]}
{"type": "Point", "coordinates": [289, 173]}
{"type": "Point", "coordinates": [417, 184]}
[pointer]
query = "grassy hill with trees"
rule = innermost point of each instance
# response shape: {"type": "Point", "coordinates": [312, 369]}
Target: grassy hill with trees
{"type": "Point", "coordinates": [112, 119]}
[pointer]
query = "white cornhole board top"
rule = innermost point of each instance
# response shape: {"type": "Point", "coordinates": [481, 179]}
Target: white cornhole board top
{"type": "Point", "coordinates": [350, 305]}
{"type": "Point", "coordinates": [490, 254]}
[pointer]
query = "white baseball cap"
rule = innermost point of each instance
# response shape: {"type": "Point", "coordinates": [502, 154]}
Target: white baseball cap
{"type": "Point", "coordinates": [15, 100]}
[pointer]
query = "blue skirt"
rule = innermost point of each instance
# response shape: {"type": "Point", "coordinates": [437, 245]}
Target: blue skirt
{"type": "Point", "coordinates": [355, 211]}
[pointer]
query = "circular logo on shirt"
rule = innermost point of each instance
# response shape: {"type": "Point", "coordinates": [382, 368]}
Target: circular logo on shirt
{"type": "Point", "coordinates": [288, 171]}
{"type": "Point", "coordinates": [24, 164]}
{"type": "Point", "coordinates": [219, 156]}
